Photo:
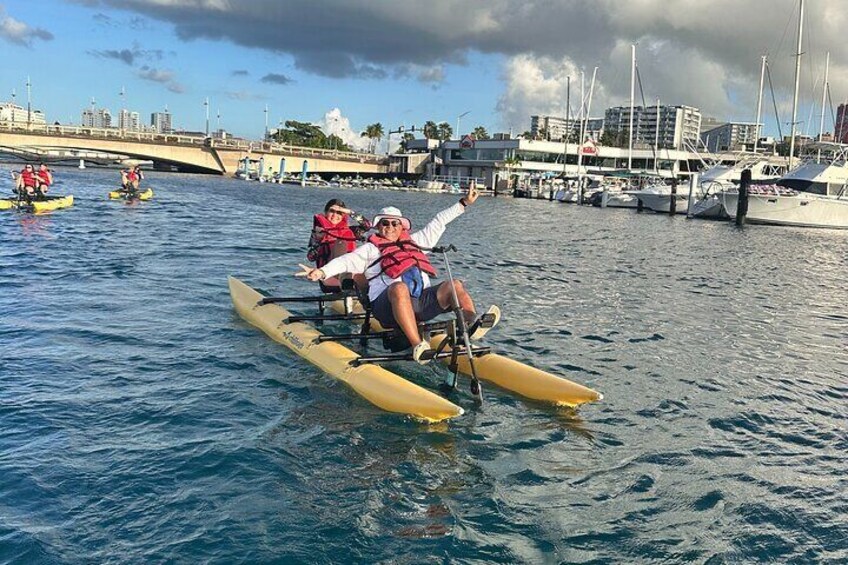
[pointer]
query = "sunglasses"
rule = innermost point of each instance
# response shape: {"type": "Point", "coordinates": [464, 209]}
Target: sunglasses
{"type": "Point", "coordinates": [335, 211]}
{"type": "Point", "coordinates": [387, 223]}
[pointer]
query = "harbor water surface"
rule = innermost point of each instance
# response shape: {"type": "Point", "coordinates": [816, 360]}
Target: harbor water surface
{"type": "Point", "coordinates": [144, 421]}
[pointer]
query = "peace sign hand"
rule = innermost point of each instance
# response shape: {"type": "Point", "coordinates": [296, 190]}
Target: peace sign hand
{"type": "Point", "coordinates": [310, 273]}
{"type": "Point", "coordinates": [472, 194]}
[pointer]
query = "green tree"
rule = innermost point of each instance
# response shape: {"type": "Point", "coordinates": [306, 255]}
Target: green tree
{"type": "Point", "coordinates": [480, 133]}
{"type": "Point", "coordinates": [445, 131]}
{"type": "Point", "coordinates": [373, 132]}
{"type": "Point", "coordinates": [431, 130]}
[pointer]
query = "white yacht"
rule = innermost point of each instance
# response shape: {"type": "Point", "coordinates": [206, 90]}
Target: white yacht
{"type": "Point", "coordinates": [715, 181]}
{"type": "Point", "coordinates": [814, 194]}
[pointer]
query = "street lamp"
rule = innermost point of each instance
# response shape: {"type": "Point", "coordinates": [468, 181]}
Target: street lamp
{"type": "Point", "coordinates": [266, 122]}
{"type": "Point", "coordinates": [206, 104]}
{"type": "Point", "coordinates": [124, 114]}
{"type": "Point", "coordinates": [458, 118]}
{"type": "Point", "coordinates": [13, 107]}
{"type": "Point", "coordinates": [29, 103]}
{"type": "Point", "coordinates": [218, 123]}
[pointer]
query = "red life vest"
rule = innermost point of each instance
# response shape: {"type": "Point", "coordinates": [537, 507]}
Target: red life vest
{"type": "Point", "coordinates": [132, 176]}
{"type": "Point", "coordinates": [28, 178]}
{"type": "Point", "coordinates": [396, 257]}
{"type": "Point", "coordinates": [332, 233]}
{"type": "Point", "coordinates": [44, 177]}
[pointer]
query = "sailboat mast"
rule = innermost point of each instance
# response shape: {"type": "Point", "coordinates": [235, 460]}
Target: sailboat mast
{"type": "Point", "coordinates": [567, 125]}
{"type": "Point", "coordinates": [797, 82]}
{"type": "Point", "coordinates": [632, 95]}
{"type": "Point", "coordinates": [824, 94]}
{"type": "Point", "coordinates": [757, 131]}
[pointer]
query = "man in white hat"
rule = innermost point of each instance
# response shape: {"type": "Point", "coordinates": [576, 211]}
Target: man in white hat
{"type": "Point", "coordinates": [395, 263]}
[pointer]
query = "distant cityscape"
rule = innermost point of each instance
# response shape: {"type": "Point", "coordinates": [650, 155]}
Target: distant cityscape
{"type": "Point", "coordinates": [677, 127]}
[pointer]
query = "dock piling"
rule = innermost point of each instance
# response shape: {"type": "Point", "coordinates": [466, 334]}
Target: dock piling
{"type": "Point", "coordinates": [742, 205]}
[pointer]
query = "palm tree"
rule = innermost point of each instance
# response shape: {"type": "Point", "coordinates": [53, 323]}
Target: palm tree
{"type": "Point", "coordinates": [445, 131]}
{"type": "Point", "coordinates": [373, 132]}
{"type": "Point", "coordinates": [480, 133]}
{"type": "Point", "coordinates": [431, 130]}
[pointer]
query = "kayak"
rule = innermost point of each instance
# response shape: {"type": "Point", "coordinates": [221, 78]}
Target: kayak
{"type": "Point", "coordinates": [511, 375]}
{"type": "Point", "coordinates": [145, 195]}
{"type": "Point", "coordinates": [379, 386]}
{"type": "Point", "coordinates": [48, 204]}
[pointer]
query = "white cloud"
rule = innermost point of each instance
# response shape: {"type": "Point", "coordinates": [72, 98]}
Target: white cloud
{"type": "Point", "coordinates": [334, 123]}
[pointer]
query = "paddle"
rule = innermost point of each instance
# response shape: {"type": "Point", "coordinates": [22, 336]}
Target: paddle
{"type": "Point", "coordinates": [476, 390]}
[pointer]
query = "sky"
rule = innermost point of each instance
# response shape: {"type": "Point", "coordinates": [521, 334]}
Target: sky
{"type": "Point", "coordinates": [345, 64]}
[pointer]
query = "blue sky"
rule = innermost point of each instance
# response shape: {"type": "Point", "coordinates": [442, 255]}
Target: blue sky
{"type": "Point", "coordinates": [348, 63]}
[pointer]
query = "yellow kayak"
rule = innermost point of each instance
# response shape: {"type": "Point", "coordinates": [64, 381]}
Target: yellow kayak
{"type": "Point", "coordinates": [48, 204]}
{"type": "Point", "coordinates": [512, 375]}
{"type": "Point", "coordinates": [144, 195]}
{"type": "Point", "coordinates": [377, 385]}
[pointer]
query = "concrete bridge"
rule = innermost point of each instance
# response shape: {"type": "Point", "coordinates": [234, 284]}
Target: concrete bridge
{"type": "Point", "coordinates": [192, 154]}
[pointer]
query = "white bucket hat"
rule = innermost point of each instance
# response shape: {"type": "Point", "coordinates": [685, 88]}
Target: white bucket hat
{"type": "Point", "coordinates": [391, 212]}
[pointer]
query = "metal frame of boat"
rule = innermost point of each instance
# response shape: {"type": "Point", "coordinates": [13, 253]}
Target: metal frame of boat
{"type": "Point", "coordinates": [381, 387]}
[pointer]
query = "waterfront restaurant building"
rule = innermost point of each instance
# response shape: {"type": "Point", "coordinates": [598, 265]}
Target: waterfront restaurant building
{"type": "Point", "coordinates": [485, 160]}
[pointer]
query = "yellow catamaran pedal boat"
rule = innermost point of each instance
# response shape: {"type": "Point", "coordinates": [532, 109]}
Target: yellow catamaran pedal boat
{"type": "Point", "coordinates": [143, 195]}
{"type": "Point", "coordinates": [46, 204]}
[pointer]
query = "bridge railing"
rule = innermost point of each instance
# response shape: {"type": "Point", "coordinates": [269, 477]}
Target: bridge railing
{"type": "Point", "coordinates": [118, 134]}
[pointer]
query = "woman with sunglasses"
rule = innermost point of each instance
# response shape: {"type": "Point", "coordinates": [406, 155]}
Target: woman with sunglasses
{"type": "Point", "coordinates": [398, 271]}
{"type": "Point", "coordinates": [26, 182]}
{"type": "Point", "coordinates": [332, 237]}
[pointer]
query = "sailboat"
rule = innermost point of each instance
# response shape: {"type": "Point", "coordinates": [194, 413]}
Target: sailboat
{"type": "Point", "coordinates": [815, 194]}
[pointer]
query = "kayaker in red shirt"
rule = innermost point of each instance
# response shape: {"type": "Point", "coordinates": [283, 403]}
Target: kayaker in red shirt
{"type": "Point", "coordinates": [44, 179]}
{"type": "Point", "coordinates": [130, 178]}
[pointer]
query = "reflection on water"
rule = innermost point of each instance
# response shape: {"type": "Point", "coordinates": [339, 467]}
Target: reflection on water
{"type": "Point", "coordinates": [143, 418]}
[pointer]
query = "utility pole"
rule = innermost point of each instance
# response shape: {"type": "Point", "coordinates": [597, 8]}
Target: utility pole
{"type": "Point", "coordinates": [13, 107]}
{"type": "Point", "coordinates": [266, 123]}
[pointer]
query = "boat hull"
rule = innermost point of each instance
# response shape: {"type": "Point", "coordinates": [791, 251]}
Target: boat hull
{"type": "Point", "coordinates": [39, 206]}
{"type": "Point", "coordinates": [374, 383]}
{"type": "Point", "coordinates": [801, 209]}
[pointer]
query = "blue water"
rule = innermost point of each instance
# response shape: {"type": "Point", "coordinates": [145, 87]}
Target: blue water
{"type": "Point", "coordinates": [142, 421]}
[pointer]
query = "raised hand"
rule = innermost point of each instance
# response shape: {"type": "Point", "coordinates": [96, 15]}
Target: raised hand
{"type": "Point", "coordinates": [472, 193]}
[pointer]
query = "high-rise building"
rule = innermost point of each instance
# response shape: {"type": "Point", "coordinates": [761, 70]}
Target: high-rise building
{"type": "Point", "coordinates": [553, 128]}
{"type": "Point", "coordinates": [99, 118]}
{"type": "Point", "coordinates": [161, 122]}
{"type": "Point", "coordinates": [840, 127]}
{"type": "Point", "coordinates": [730, 136]}
{"type": "Point", "coordinates": [676, 126]}
{"type": "Point", "coordinates": [129, 120]}
{"type": "Point", "coordinates": [10, 112]}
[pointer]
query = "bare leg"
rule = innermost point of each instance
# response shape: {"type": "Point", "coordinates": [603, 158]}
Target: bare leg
{"type": "Point", "coordinates": [402, 310]}
{"type": "Point", "coordinates": [443, 294]}
{"type": "Point", "coordinates": [361, 282]}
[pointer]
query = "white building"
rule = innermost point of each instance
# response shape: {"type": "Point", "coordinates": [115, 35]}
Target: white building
{"type": "Point", "coordinates": [161, 122]}
{"type": "Point", "coordinates": [678, 127]}
{"type": "Point", "coordinates": [99, 118]}
{"type": "Point", "coordinates": [730, 136]}
{"type": "Point", "coordinates": [129, 121]}
{"type": "Point", "coordinates": [10, 112]}
{"type": "Point", "coordinates": [553, 128]}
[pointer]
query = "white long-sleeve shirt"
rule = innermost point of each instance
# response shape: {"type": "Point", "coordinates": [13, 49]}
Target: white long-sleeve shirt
{"type": "Point", "coordinates": [358, 261]}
